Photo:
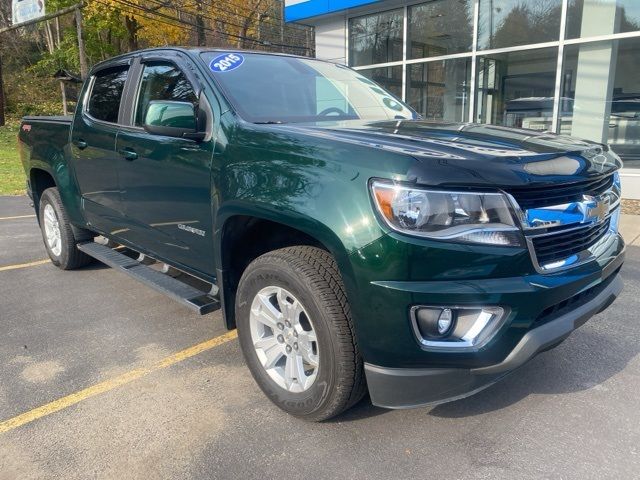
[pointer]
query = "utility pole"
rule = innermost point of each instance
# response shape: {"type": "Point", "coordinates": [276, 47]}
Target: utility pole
{"type": "Point", "coordinates": [52, 46]}
{"type": "Point", "coordinates": [84, 69]}
{"type": "Point", "coordinates": [2, 119]}
{"type": "Point", "coordinates": [63, 87]}
{"type": "Point", "coordinates": [261, 17]}
{"type": "Point", "coordinates": [202, 39]}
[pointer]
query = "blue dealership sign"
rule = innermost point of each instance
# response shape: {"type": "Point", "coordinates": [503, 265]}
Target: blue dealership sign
{"type": "Point", "coordinates": [299, 9]}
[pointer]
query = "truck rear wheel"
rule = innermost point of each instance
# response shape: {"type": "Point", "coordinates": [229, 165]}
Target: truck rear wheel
{"type": "Point", "coordinates": [296, 334]}
{"type": "Point", "coordinates": [58, 235]}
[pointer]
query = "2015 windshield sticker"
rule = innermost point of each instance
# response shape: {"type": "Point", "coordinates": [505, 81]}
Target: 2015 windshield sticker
{"type": "Point", "coordinates": [226, 62]}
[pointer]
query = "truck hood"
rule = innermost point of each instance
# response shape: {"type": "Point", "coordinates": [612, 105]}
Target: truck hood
{"type": "Point", "coordinates": [472, 154]}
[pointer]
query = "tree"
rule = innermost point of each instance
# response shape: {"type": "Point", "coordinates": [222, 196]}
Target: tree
{"type": "Point", "coordinates": [147, 23]}
{"type": "Point", "coordinates": [110, 27]}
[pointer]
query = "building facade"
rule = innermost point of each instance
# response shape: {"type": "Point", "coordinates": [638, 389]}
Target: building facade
{"type": "Point", "coordinates": [568, 66]}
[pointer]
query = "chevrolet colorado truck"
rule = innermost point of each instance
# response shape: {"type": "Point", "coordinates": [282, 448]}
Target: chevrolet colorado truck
{"type": "Point", "coordinates": [355, 247]}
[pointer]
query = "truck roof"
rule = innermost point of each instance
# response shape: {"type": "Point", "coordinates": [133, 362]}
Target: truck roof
{"type": "Point", "coordinates": [188, 50]}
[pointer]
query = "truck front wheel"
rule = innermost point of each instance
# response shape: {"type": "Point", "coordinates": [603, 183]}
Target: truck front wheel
{"type": "Point", "coordinates": [296, 333]}
{"type": "Point", "coordinates": [58, 235]}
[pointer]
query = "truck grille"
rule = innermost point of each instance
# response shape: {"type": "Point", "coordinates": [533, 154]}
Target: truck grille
{"type": "Point", "coordinates": [563, 244]}
{"type": "Point", "coordinates": [537, 197]}
{"type": "Point", "coordinates": [559, 309]}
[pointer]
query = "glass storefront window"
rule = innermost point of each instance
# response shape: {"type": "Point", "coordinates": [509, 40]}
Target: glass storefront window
{"type": "Point", "coordinates": [516, 89]}
{"type": "Point", "coordinates": [388, 77]}
{"type": "Point", "coordinates": [376, 38]}
{"type": "Point", "coordinates": [440, 27]}
{"type": "Point", "coordinates": [600, 97]}
{"type": "Point", "coordinates": [507, 23]}
{"type": "Point", "coordinates": [586, 18]}
{"type": "Point", "coordinates": [440, 90]}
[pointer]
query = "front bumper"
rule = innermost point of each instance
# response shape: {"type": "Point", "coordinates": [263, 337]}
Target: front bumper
{"type": "Point", "coordinates": [414, 387]}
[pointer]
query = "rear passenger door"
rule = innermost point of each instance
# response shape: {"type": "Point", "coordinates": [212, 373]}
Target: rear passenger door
{"type": "Point", "coordinates": [93, 140]}
{"type": "Point", "coordinates": [166, 181]}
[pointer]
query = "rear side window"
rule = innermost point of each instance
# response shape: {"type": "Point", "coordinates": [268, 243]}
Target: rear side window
{"type": "Point", "coordinates": [104, 102]}
{"type": "Point", "coordinates": [162, 81]}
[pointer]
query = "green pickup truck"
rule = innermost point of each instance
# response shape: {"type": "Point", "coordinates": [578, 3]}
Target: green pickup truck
{"type": "Point", "coordinates": [355, 247]}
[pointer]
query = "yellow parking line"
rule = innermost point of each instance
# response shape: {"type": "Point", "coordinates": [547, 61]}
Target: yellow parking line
{"type": "Point", "coordinates": [17, 216]}
{"type": "Point", "coordinates": [107, 385]}
{"type": "Point", "coordinates": [24, 265]}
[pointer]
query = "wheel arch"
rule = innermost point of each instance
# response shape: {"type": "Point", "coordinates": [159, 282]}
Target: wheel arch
{"type": "Point", "coordinates": [234, 248]}
{"type": "Point", "coordinates": [55, 173]}
{"type": "Point", "coordinates": [40, 179]}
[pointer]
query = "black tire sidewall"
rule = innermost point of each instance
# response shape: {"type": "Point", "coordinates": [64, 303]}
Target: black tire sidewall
{"type": "Point", "coordinates": [273, 274]}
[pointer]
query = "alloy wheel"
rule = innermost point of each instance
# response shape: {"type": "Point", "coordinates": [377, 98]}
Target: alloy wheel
{"type": "Point", "coordinates": [52, 230]}
{"type": "Point", "coordinates": [284, 339]}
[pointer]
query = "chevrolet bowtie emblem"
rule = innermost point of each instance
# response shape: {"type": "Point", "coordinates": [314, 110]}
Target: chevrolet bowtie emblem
{"type": "Point", "coordinates": [597, 208]}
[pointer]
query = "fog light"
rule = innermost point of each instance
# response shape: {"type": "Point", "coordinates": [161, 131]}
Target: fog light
{"type": "Point", "coordinates": [456, 327]}
{"type": "Point", "coordinates": [445, 320]}
{"type": "Point", "coordinates": [435, 322]}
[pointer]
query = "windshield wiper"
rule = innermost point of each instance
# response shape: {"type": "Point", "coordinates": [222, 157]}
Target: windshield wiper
{"type": "Point", "coordinates": [269, 122]}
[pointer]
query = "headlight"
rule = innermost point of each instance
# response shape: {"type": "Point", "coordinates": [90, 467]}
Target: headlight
{"type": "Point", "coordinates": [467, 217]}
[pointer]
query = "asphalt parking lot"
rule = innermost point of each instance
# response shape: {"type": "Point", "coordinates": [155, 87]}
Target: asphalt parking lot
{"type": "Point", "coordinates": [103, 378]}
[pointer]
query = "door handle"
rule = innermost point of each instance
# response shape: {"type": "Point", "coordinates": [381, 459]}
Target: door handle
{"type": "Point", "coordinates": [81, 144]}
{"type": "Point", "coordinates": [128, 154]}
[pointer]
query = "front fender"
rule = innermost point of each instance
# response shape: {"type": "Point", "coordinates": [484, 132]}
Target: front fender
{"type": "Point", "coordinates": [302, 222]}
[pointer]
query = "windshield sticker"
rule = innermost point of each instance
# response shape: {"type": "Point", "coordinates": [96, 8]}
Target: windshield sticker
{"type": "Point", "coordinates": [226, 62]}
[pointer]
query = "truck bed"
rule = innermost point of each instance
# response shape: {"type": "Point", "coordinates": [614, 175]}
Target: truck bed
{"type": "Point", "coordinates": [49, 119]}
{"type": "Point", "coordinates": [43, 144]}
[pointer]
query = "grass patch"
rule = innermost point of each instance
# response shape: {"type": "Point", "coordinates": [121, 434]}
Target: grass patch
{"type": "Point", "coordinates": [12, 179]}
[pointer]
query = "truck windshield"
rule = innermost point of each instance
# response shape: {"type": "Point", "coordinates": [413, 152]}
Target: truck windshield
{"type": "Point", "coordinates": [280, 89]}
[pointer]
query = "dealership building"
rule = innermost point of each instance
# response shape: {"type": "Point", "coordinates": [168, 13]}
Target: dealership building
{"type": "Point", "coordinates": [568, 66]}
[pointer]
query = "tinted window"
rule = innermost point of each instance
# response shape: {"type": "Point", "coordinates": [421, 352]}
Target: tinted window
{"type": "Point", "coordinates": [162, 81]}
{"type": "Point", "coordinates": [106, 94]}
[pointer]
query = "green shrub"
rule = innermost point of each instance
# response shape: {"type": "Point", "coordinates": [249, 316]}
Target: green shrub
{"type": "Point", "coordinates": [12, 179]}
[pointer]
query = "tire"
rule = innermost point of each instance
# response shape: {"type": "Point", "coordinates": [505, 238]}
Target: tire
{"type": "Point", "coordinates": [310, 277]}
{"type": "Point", "coordinates": [63, 253]}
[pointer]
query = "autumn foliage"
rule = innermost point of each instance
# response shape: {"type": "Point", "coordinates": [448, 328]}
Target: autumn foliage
{"type": "Point", "coordinates": [33, 54]}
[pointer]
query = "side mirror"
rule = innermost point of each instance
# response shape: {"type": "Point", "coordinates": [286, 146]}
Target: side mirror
{"type": "Point", "coordinates": [174, 119]}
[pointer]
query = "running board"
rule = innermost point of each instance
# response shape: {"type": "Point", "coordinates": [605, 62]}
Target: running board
{"type": "Point", "coordinates": [201, 302]}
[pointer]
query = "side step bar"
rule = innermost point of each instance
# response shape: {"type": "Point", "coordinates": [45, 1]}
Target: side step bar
{"type": "Point", "coordinates": [196, 299]}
